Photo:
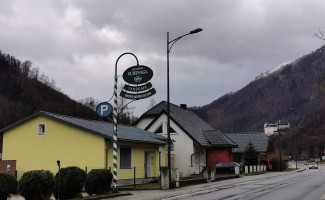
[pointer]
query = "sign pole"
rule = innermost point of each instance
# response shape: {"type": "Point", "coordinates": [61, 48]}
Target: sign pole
{"type": "Point", "coordinates": [115, 124]}
{"type": "Point", "coordinates": [115, 135]}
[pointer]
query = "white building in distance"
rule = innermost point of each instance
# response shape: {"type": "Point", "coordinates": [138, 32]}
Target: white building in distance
{"type": "Point", "coordinates": [270, 128]}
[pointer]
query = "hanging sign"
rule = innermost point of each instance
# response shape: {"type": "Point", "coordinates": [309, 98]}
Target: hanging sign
{"type": "Point", "coordinates": [137, 74]}
{"type": "Point", "coordinates": [137, 96]}
{"type": "Point", "coordinates": [137, 88]}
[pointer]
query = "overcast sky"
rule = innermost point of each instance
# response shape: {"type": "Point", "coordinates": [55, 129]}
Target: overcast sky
{"type": "Point", "coordinates": [77, 43]}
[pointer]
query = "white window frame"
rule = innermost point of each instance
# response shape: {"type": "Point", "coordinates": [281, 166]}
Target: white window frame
{"type": "Point", "coordinates": [41, 132]}
{"type": "Point", "coordinates": [171, 133]}
{"type": "Point", "coordinates": [129, 147]}
{"type": "Point", "coordinates": [162, 129]}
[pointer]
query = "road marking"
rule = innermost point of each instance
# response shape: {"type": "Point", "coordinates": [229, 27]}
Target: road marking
{"type": "Point", "coordinates": [323, 197]}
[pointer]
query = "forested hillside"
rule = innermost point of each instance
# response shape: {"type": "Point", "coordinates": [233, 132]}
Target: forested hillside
{"type": "Point", "coordinates": [23, 90]}
{"type": "Point", "coordinates": [307, 140]}
{"type": "Point", "coordinates": [288, 92]}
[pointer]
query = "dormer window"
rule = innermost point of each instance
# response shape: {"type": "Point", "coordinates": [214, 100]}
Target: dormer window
{"type": "Point", "coordinates": [41, 129]}
{"type": "Point", "coordinates": [159, 130]}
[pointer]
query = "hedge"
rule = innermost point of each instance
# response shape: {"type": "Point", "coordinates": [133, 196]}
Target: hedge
{"type": "Point", "coordinates": [8, 185]}
{"type": "Point", "coordinates": [72, 181]}
{"type": "Point", "coordinates": [98, 181]}
{"type": "Point", "coordinates": [37, 185]}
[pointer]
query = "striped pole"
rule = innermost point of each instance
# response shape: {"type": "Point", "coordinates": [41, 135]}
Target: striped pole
{"type": "Point", "coordinates": [115, 118]}
{"type": "Point", "coordinates": [115, 136]}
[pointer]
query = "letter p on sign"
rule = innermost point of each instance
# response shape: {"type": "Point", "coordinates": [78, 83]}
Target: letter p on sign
{"type": "Point", "coordinates": [104, 109]}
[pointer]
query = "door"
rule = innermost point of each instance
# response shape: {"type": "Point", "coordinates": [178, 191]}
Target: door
{"type": "Point", "coordinates": [147, 165]}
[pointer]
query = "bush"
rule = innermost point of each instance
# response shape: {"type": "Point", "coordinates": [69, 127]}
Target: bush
{"type": "Point", "coordinates": [98, 181]}
{"type": "Point", "coordinates": [8, 185]}
{"type": "Point", "coordinates": [37, 185]}
{"type": "Point", "coordinates": [275, 161]}
{"type": "Point", "coordinates": [72, 180]}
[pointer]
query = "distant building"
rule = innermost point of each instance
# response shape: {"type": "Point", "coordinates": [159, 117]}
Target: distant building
{"type": "Point", "coordinates": [270, 128]}
{"type": "Point", "coordinates": [261, 142]}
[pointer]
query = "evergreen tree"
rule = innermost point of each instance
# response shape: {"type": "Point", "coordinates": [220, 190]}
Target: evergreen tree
{"type": "Point", "coordinates": [250, 155]}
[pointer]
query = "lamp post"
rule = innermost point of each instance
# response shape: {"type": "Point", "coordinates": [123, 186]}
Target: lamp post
{"type": "Point", "coordinates": [169, 47]}
{"type": "Point", "coordinates": [280, 145]}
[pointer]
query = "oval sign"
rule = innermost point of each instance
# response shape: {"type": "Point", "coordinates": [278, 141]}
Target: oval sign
{"type": "Point", "coordinates": [104, 109]}
{"type": "Point", "coordinates": [137, 74]}
{"type": "Point", "coordinates": [137, 88]}
{"type": "Point", "coordinates": [138, 96]}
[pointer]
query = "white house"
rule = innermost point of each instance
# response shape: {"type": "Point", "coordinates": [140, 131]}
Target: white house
{"type": "Point", "coordinates": [196, 143]}
{"type": "Point", "coordinates": [270, 128]}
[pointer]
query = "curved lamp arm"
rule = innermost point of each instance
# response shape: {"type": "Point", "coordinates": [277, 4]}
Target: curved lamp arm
{"type": "Point", "coordinates": [176, 39]}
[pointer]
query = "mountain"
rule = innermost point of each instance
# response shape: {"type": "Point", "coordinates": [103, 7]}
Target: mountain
{"type": "Point", "coordinates": [288, 92]}
{"type": "Point", "coordinates": [23, 90]}
{"type": "Point", "coordinates": [307, 140]}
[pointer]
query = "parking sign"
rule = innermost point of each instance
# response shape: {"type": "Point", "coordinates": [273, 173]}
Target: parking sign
{"type": "Point", "coordinates": [104, 109]}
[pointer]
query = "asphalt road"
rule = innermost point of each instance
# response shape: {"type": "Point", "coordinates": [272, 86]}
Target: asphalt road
{"type": "Point", "coordinates": [306, 185]}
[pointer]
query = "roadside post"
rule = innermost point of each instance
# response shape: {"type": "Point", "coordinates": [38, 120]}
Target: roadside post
{"type": "Point", "coordinates": [59, 165]}
{"type": "Point", "coordinates": [138, 87]}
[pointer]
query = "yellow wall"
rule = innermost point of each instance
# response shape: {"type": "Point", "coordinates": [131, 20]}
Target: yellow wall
{"type": "Point", "coordinates": [138, 159]}
{"type": "Point", "coordinates": [72, 146]}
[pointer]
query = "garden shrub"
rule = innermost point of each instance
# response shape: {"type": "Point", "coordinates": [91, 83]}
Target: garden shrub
{"type": "Point", "coordinates": [72, 181]}
{"type": "Point", "coordinates": [98, 181]}
{"type": "Point", "coordinates": [8, 185]}
{"type": "Point", "coordinates": [37, 185]}
{"type": "Point", "coordinates": [275, 161]}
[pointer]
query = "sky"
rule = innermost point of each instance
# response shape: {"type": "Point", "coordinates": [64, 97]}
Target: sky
{"type": "Point", "coordinates": [77, 42]}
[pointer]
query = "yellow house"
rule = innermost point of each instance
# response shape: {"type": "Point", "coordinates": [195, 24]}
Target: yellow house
{"type": "Point", "coordinates": [40, 140]}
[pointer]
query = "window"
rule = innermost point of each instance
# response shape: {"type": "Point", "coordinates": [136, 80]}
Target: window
{"type": "Point", "coordinates": [159, 130]}
{"type": "Point", "coordinates": [41, 129]}
{"type": "Point", "coordinates": [172, 131]}
{"type": "Point", "coordinates": [125, 158]}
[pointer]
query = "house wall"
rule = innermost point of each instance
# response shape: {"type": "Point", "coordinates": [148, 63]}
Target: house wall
{"type": "Point", "coordinates": [144, 122]}
{"type": "Point", "coordinates": [182, 142]}
{"type": "Point", "coordinates": [137, 159]}
{"type": "Point", "coordinates": [198, 159]}
{"type": "Point", "coordinates": [72, 146]}
{"type": "Point", "coordinates": [215, 156]}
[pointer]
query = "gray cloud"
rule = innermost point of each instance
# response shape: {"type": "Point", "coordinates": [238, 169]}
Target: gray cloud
{"type": "Point", "coordinates": [77, 42]}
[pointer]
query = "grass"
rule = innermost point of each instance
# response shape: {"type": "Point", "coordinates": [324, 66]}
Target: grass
{"type": "Point", "coordinates": [147, 186]}
{"type": "Point", "coordinates": [290, 169]}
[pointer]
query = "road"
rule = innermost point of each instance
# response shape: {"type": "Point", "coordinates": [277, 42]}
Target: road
{"type": "Point", "coordinates": [305, 185]}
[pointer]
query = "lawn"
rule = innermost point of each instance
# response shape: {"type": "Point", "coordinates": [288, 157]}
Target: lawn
{"type": "Point", "coordinates": [147, 186]}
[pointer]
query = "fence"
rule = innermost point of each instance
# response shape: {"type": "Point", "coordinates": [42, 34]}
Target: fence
{"type": "Point", "coordinates": [137, 175]}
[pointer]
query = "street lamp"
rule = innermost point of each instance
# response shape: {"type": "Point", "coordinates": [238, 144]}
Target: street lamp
{"type": "Point", "coordinates": [280, 145]}
{"type": "Point", "coordinates": [169, 47]}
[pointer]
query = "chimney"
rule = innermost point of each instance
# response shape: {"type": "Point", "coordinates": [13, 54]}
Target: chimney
{"type": "Point", "coordinates": [184, 106]}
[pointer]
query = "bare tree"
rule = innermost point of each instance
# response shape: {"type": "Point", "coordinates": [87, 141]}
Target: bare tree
{"type": "Point", "coordinates": [90, 102]}
{"type": "Point", "coordinates": [124, 109]}
{"type": "Point", "coordinates": [320, 34]}
{"type": "Point", "coordinates": [152, 103]}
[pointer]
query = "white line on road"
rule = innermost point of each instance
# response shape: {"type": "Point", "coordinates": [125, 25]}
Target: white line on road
{"type": "Point", "coordinates": [323, 197]}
